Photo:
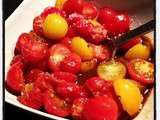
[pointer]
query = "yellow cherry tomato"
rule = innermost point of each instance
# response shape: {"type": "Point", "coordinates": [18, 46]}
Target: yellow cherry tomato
{"type": "Point", "coordinates": [82, 48]}
{"type": "Point", "coordinates": [138, 51]}
{"type": "Point", "coordinates": [88, 65]}
{"type": "Point", "coordinates": [59, 3]}
{"type": "Point", "coordinates": [111, 70]}
{"type": "Point", "coordinates": [55, 26]}
{"type": "Point", "coordinates": [129, 95]}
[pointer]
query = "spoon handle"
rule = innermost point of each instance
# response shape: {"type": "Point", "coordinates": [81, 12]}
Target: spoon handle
{"type": "Point", "coordinates": [147, 27]}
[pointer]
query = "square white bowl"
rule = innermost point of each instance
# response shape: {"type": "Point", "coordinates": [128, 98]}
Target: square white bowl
{"type": "Point", "coordinates": [21, 21]}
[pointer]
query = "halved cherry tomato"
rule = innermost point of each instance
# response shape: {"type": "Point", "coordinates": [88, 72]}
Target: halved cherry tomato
{"type": "Point", "coordinates": [131, 43]}
{"type": "Point", "coordinates": [141, 71]}
{"type": "Point", "coordinates": [77, 108]}
{"type": "Point", "coordinates": [56, 54]}
{"type": "Point", "coordinates": [71, 63]}
{"type": "Point", "coordinates": [101, 52]}
{"type": "Point", "coordinates": [31, 96]}
{"type": "Point", "coordinates": [70, 91]}
{"type": "Point", "coordinates": [89, 10]}
{"type": "Point", "coordinates": [15, 78]}
{"type": "Point", "coordinates": [129, 95]}
{"type": "Point", "coordinates": [100, 108]}
{"type": "Point", "coordinates": [111, 70]}
{"type": "Point", "coordinates": [71, 6]}
{"type": "Point", "coordinates": [54, 105]}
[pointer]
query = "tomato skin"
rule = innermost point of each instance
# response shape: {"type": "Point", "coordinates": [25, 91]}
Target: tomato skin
{"type": "Point", "coordinates": [57, 53]}
{"type": "Point", "coordinates": [31, 98]}
{"type": "Point", "coordinates": [51, 10]}
{"type": "Point", "coordinates": [22, 40]}
{"type": "Point", "coordinates": [71, 6]}
{"type": "Point", "coordinates": [54, 105]}
{"type": "Point", "coordinates": [17, 58]}
{"type": "Point", "coordinates": [70, 91]}
{"type": "Point", "coordinates": [104, 107]}
{"type": "Point", "coordinates": [66, 41]}
{"type": "Point", "coordinates": [15, 78]}
{"type": "Point", "coordinates": [89, 11]}
{"type": "Point", "coordinates": [144, 72]}
{"type": "Point", "coordinates": [77, 108]}
{"type": "Point", "coordinates": [131, 43]}
{"type": "Point", "coordinates": [71, 63]}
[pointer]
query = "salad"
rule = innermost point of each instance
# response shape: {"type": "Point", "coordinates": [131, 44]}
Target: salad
{"type": "Point", "coordinates": [66, 65]}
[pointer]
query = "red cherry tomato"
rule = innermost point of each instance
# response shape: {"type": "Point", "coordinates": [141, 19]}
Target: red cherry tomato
{"type": "Point", "coordinates": [89, 10]}
{"type": "Point", "coordinates": [51, 10]}
{"type": "Point", "coordinates": [71, 63]}
{"type": "Point", "coordinates": [54, 105]}
{"type": "Point", "coordinates": [101, 52]}
{"type": "Point", "coordinates": [100, 108]}
{"type": "Point", "coordinates": [71, 32]}
{"type": "Point", "coordinates": [70, 91]}
{"type": "Point", "coordinates": [141, 71]}
{"type": "Point", "coordinates": [31, 96]}
{"type": "Point", "coordinates": [71, 6]}
{"type": "Point", "coordinates": [23, 39]}
{"type": "Point", "coordinates": [32, 75]}
{"type": "Point", "coordinates": [34, 51]}
{"type": "Point", "coordinates": [17, 58]}
{"type": "Point", "coordinates": [56, 54]}
{"type": "Point", "coordinates": [131, 43]}
{"type": "Point", "coordinates": [66, 41]}
{"type": "Point", "coordinates": [15, 78]}
{"type": "Point", "coordinates": [77, 108]}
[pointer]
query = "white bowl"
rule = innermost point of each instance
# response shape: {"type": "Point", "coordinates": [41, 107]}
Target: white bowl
{"type": "Point", "coordinates": [21, 21]}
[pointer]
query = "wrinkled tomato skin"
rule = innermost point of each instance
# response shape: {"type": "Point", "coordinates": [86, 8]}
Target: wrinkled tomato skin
{"type": "Point", "coordinates": [17, 58]}
{"type": "Point", "coordinates": [57, 53]}
{"type": "Point", "coordinates": [38, 24]}
{"type": "Point", "coordinates": [77, 108]}
{"type": "Point", "coordinates": [140, 77]}
{"type": "Point", "coordinates": [70, 91]}
{"type": "Point", "coordinates": [34, 51]}
{"type": "Point", "coordinates": [23, 39]}
{"type": "Point", "coordinates": [54, 105]}
{"type": "Point", "coordinates": [31, 98]}
{"type": "Point", "coordinates": [100, 108]}
{"type": "Point", "coordinates": [15, 78]}
{"type": "Point", "coordinates": [71, 63]}
{"type": "Point", "coordinates": [71, 6]}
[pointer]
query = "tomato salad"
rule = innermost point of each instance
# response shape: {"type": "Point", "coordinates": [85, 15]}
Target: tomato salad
{"type": "Point", "coordinates": [64, 67]}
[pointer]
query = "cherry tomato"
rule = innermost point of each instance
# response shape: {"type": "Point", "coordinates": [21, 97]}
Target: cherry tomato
{"type": "Point", "coordinates": [71, 32]}
{"type": "Point", "coordinates": [56, 54]}
{"type": "Point", "coordinates": [131, 43]}
{"type": "Point", "coordinates": [70, 91]}
{"type": "Point", "coordinates": [129, 95]}
{"type": "Point", "coordinates": [17, 58]}
{"type": "Point", "coordinates": [77, 108]}
{"type": "Point", "coordinates": [101, 52]}
{"type": "Point", "coordinates": [38, 24]}
{"type": "Point", "coordinates": [50, 10]}
{"type": "Point", "coordinates": [89, 10]}
{"type": "Point", "coordinates": [31, 96]}
{"type": "Point", "coordinates": [82, 48]}
{"type": "Point", "coordinates": [111, 70]}
{"type": "Point", "coordinates": [71, 6]}
{"type": "Point", "coordinates": [34, 51]}
{"type": "Point", "coordinates": [55, 27]}
{"type": "Point", "coordinates": [101, 108]}
{"type": "Point", "coordinates": [22, 40]}
{"type": "Point", "coordinates": [32, 75]}
{"type": "Point", "coordinates": [62, 77]}
{"type": "Point", "coordinates": [59, 3]}
{"type": "Point", "coordinates": [71, 63]}
{"type": "Point", "coordinates": [138, 51]}
{"type": "Point", "coordinates": [141, 71]}
{"type": "Point", "coordinates": [54, 105]}
{"type": "Point", "coordinates": [66, 41]}
{"type": "Point", "coordinates": [15, 78]}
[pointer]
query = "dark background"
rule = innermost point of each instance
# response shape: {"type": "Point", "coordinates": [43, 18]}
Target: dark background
{"type": "Point", "coordinates": [11, 112]}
